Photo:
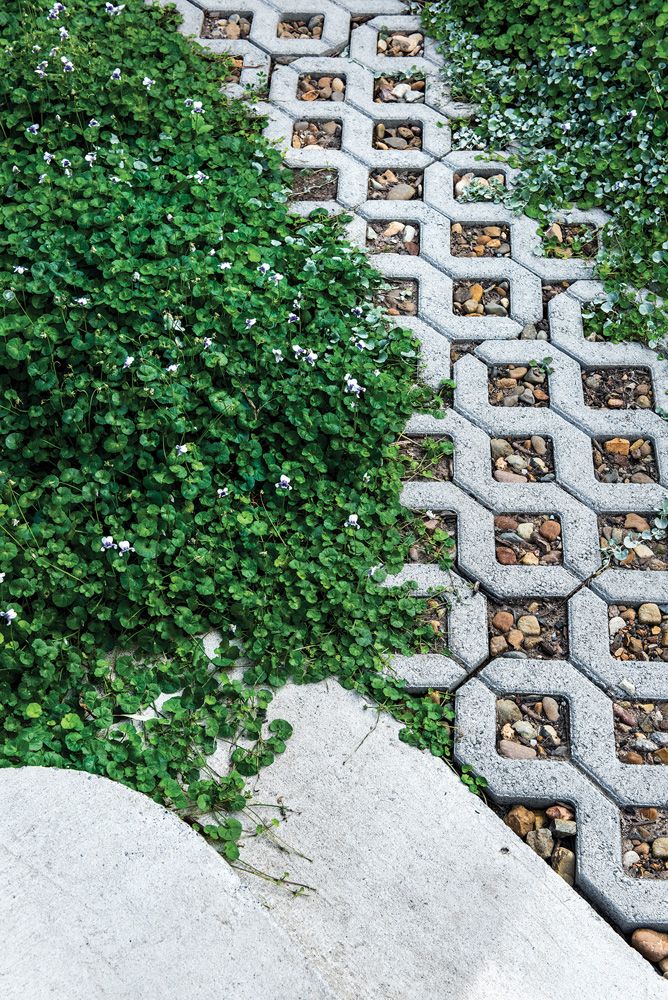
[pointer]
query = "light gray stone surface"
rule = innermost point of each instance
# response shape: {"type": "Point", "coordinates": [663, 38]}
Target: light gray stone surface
{"type": "Point", "coordinates": [421, 891]}
{"type": "Point", "coordinates": [107, 896]}
{"type": "Point", "coordinates": [590, 674]}
{"type": "Point", "coordinates": [417, 889]}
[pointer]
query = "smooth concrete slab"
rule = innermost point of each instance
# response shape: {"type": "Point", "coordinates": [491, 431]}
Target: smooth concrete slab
{"type": "Point", "coordinates": [104, 894]}
{"type": "Point", "coordinates": [421, 891]}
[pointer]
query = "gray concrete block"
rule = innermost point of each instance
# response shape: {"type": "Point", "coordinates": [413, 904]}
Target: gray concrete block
{"type": "Point", "coordinates": [145, 908]}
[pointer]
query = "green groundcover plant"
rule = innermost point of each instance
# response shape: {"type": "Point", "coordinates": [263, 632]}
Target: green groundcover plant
{"type": "Point", "coordinates": [576, 89]}
{"type": "Point", "coordinates": [198, 410]}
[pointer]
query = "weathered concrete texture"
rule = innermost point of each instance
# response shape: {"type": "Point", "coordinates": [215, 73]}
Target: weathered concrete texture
{"type": "Point", "coordinates": [107, 895]}
{"type": "Point", "coordinates": [421, 891]}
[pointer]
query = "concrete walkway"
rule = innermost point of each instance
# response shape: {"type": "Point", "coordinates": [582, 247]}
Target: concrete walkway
{"type": "Point", "coordinates": [421, 891]}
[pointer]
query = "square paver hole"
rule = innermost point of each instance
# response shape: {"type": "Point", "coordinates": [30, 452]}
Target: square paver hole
{"type": "Point", "coordinates": [538, 628]}
{"type": "Point", "coordinates": [313, 87]}
{"type": "Point", "coordinates": [638, 631]}
{"type": "Point", "coordinates": [395, 185]}
{"type": "Point", "coordinates": [397, 137]}
{"type": "Point", "coordinates": [522, 459]}
{"type": "Point", "coordinates": [532, 727]}
{"type": "Point", "coordinates": [325, 134]}
{"type": "Point", "coordinates": [400, 298]}
{"type": "Point", "coordinates": [314, 185]}
{"type": "Point", "coordinates": [221, 24]}
{"type": "Point", "coordinates": [479, 185]}
{"type": "Point", "coordinates": [426, 458]}
{"type": "Point", "coordinates": [528, 539]}
{"type": "Point", "coordinates": [393, 236]}
{"type": "Point", "coordinates": [468, 239]}
{"type": "Point", "coordinates": [481, 298]}
{"type": "Point", "coordinates": [625, 460]}
{"type": "Point", "coordinates": [644, 833]}
{"type": "Point", "coordinates": [618, 388]}
{"type": "Point", "coordinates": [519, 385]}
{"type": "Point", "coordinates": [300, 26]}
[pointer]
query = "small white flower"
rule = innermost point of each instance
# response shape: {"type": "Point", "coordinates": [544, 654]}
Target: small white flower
{"type": "Point", "coordinates": [48, 157]}
{"type": "Point", "coordinates": [41, 68]}
{"type": "Point", "coordinates": [263, 268]}
{"type": "Point", "coordinates": [278, 355]}
{"type": "Point", "coordinates": [310, 358]}
{"type": "Point", "coordinates": [9, 615]}
{"type": "Point", "coordinates": [224, 266]}
{"type": "Point", "coordinates": [632, 113]}
{"type": "Point", "coordinates": [67, 65]}
{"type": "Point", "coordinates": [116, 74]}
{"type": "Point", "coordinates": [353, 386]}
{"type": "Point", "coordinates": [147, 82]}
{"type": "Point", "coordinates": [283, 483]}
{"type": "Point", "coordinates": [33, 129]}
{"type": "Point", "coordinates": [82, 301]}
{"type": "Point", "coordinates": [124, 547]}
{"type": "Point", "coordinates": [207, 342]}
{"type": "Point", "coordinates": [108, 543]}
{"type": "Point", "coordinates": [352, 522]}
{"type": "Point", "coordinates": [565, 126]}
{"type": "Point", "coordinates": [293, 318]}
{"type": "Point", "coordinates": [181, 449]}
{"type": "Point", "coordinates": [366, 478]}
{"type": "Point", "coordinates": [197, 108]}
{"type": "Point", "coordinates": [222, 492]}
{"type": "Point", "coordinates": [19, 269]}
{"type": "Point", "coordinates": [129, 361]}
{"type": "Point", "coordinates": [592, 50]}
{"type": "Point", "coordinates": [93, 123]}
{"type": "Point", "coordinates": [64, 33]}
{"type": "Point", "coordinates": [357, 311]}
{"type": "Point", "coordinates": [2, 577]}
{"type": "Point", "coordinates": [233, 628]}
{"type": "Point", "coordinates": [112, 10]}
{"type": "Point", "coordinates": [41, 178]}
{"type": "Point", "coordinates": [276, 277]}
{"type": "Point", "coordinates": [250, 323]}
{"type": "Point", "coordinates": [172, 368]}
{"type": "Point", "coordinates": [90, 157]}
{"type": "Point", "coordinates": [200, 177]}
{"type": "Point", "coordinates": [136, 275]}
{"type": "Point", "coordinates": [65, 162]}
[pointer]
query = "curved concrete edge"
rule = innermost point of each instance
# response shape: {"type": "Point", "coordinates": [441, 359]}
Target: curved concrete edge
{"type": "Point", "coordinates": [423, 893]}
{"type": "Point", "coordinates": [420, 890]}
{"type": "Point", "coordinates": [105, 894]}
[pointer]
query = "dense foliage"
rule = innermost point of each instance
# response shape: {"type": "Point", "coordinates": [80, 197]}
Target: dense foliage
{"type": "Point", "coordinates": [198, 410]}
{"type": "Point", "coordinates": [577, 90]}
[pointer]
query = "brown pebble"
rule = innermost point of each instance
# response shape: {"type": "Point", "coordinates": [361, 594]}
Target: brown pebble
{"type": "Point", "coordinates": [503, 620]}
{"type": "Point", "coordinates": [520, 820]}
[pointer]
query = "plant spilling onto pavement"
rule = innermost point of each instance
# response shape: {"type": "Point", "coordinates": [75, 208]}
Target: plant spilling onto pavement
{"type": "Point", "coordinates": [199, 405]}
{"type": "Point", "coordinates": [577, 92]}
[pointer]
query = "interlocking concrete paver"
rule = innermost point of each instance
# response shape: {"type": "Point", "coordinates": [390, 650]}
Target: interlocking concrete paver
{"type": "Point", "coordinates": [593, 778]}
